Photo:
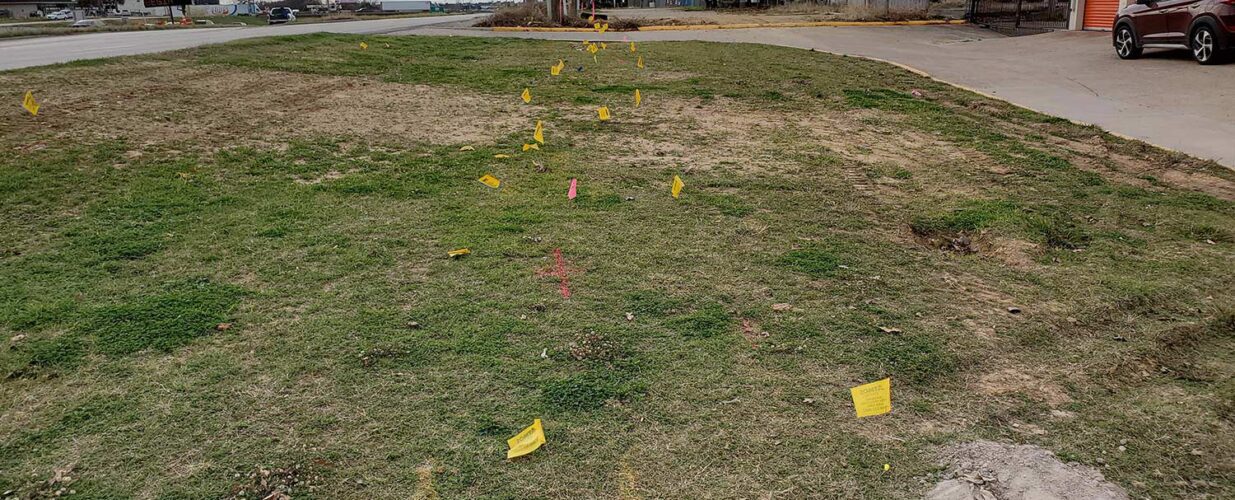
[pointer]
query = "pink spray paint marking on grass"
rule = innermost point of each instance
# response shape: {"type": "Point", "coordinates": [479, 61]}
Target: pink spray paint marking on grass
{"type": "Point", "coordinates": [573, 191]}
{"type": "Point", "coordinates": [564, 284]}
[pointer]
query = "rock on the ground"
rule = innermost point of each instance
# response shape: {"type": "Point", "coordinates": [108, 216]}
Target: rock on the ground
{"type": "Point", "coordinates": [985, 470]}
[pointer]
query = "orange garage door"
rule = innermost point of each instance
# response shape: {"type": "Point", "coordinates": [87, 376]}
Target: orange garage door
{"type": "Point", "coordinates": [1100, 14]}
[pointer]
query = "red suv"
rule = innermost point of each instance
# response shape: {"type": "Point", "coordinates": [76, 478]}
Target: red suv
{"type": "Point", "coordinates": [1206, 27]}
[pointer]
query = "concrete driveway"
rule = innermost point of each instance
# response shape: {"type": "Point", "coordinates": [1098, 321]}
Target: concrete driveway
{"type": "Point", "coordinates": [1164, 99]}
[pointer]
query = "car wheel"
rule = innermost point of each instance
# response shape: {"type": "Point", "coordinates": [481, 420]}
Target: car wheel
{"type": "Point", "coordinates": [1205, 45]}
{"type": "Point", "coordinates": [1125, 43]}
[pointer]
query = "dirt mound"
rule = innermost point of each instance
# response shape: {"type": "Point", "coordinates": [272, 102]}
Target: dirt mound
{"type": "Point", "coordinates": [984, 470]}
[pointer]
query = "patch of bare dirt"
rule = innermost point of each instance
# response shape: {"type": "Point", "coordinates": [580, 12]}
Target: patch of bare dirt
{"type": "Point", "coordinates": [169, 102]}
{"type": "Point", "coordinates": [1015, 381]}
{"type": "Point", "coordinates": [1011, 251]}
{"type": "Point", "coordinates": [985, 470]}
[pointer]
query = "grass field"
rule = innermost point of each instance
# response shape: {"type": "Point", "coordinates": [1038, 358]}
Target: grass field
{"type": "Point", "coordinates": [225, 269]}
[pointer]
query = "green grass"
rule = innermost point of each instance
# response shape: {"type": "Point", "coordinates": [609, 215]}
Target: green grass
{"type": "Point", "coordinates": [358, 351]}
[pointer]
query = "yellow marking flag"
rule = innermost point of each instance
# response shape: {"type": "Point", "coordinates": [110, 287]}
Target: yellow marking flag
{"type": "Point", "coordinates": [874, 398]}
{"type": "Point", "coordinates": [501, 155]}
{"type": "Point", "coordinates": [592, 48]}
{"type": "Point", "coordinates": [597, 26]}
{"type": "Point", "coordinates": [531, 146]}
{"type": "Point", "coordinates": [557, 70]}
{"type": "Point", "coordinates": [639, 63]}
{"type": "Point", "coordinates": [527, 95]}
{"type": "Point", "coordinates": [603, 113]}
{"type": "Point", "coordinates": [677, 186]}
{"type": "Point", "coordinates": [467, 148]}
{"type": "Point", "coordinates": [638, 98]}
{"type": "Point", "coordinates": [30, 104]}
{"type": "Point", "coordinates": [526, 441]}
{"type": "Point", "coordinates": [604, 27]}
{"type": "Point", "coordinates": [539, 134]}
{"type": "Point", "coordinates": [604, 45]}
{"type": "Point", "coordinates": [364, 46]}
{"type": "Point", "coordinates": [490, 181]}
{"type": "Point", "coordinates": [632, 47]}
{"type": "Point", "coordinates": [458, 253]}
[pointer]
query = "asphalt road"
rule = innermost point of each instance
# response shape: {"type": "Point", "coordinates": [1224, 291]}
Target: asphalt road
{"type": "Point", "coordinates": [38, 51]}
{"type": "Point", "coordinates": [1164, 99]}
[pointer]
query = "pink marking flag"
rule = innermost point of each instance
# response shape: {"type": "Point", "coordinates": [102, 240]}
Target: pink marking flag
{"type": "Point", "coordinates": [573, 191]}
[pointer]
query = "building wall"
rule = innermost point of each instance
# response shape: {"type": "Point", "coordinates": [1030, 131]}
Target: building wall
{"type": "Point", "coordinates": [25, 10]}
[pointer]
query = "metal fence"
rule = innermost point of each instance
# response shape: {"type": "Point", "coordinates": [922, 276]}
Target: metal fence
{"type": "Point", "coordinates": [1020, 17]}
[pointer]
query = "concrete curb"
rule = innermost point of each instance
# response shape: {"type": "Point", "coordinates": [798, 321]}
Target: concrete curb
{"type": "Point", "coordinates": [694, 27]}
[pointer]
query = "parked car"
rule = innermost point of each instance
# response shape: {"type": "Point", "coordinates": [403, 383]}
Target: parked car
{"type": "Point", "coordinates": [280, 15]}
{"type": "Point", "coordinates": [1204, 27]}
{"type": "Point", "coordinates": [60, 15]}
{"type": "Point", "coordinates": [87, 23]}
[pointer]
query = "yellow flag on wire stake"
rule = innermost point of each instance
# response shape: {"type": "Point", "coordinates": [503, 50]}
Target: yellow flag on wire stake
{"type": "Point", "coordinates": [30, 104]}
{"type": "Point", "coordinates": [638, 98]}
{"type": "Point", "coordinates": [872, 399]}
{"type": "Point", "coordinates": [490, 181]}
{"type": "Point", "coordinates": [639, 62]}
{"type": "Point", "coordinates": [526, 441]}
{"type": "Point", "coordinates": [677, 186]}
{"type": "Point", "coordinates": [458, 253]}
{"type": "Point", "coordinates": [364, 46]}
{"type": "Point", "coordinates": [557, 70]}
{"type": "Point", "coordinates": [603, 113]}
{"type": "Point", "coordinates": [632, 47]}
{"type": "Point", "coordinates": [604, 27]}
{"type": "Point", "coordinates": [527, 95]}
{"type": "Point", "coordinates": [539, 134]}
{"type": "Point", "coordinates": [531, 146]}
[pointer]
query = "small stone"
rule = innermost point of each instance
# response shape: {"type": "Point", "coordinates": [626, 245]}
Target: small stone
{"type": "Point", "coordinates": [1100, 461]}
{"type": "Point", "coordinates": [18, 338]}
{"type": "Point", "coordinates": [893, 331]}
{"type": "Point", "coordinates": [1119, 338]}
{"type": "Point", "coordinates": [538, 307]}
{"type": "Point", "coordinates": [1123, 441]}
{"type": "Point", "coordinates": [415, 325]}
{"type": "Point", "coordinates": [630, 317]}
{"type": "Point", "coordinates": [223, 326]}
{"type": "Point", "coordinates": [808, 401]}
{"type": "Point", "coordinates": [781, 307]}
{"type": "Point", "coordinates": [1196, 453]}
{"type": "Point", "coordinates": [1122, 448]}
{"type": "Point", "coordinates": [1014, 310]}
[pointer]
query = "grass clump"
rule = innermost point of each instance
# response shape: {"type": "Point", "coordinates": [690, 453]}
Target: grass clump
{"type": "Point", "coordinates": [917, 359]}
{"type": "Point", "coordinates": [971, 218]}
{"type": "Point", "coordinates": [814, 262]}
{"type": "Point", "coordinates": [588, 391]}
{"type": "Point", "coordinates": [706, 322]}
